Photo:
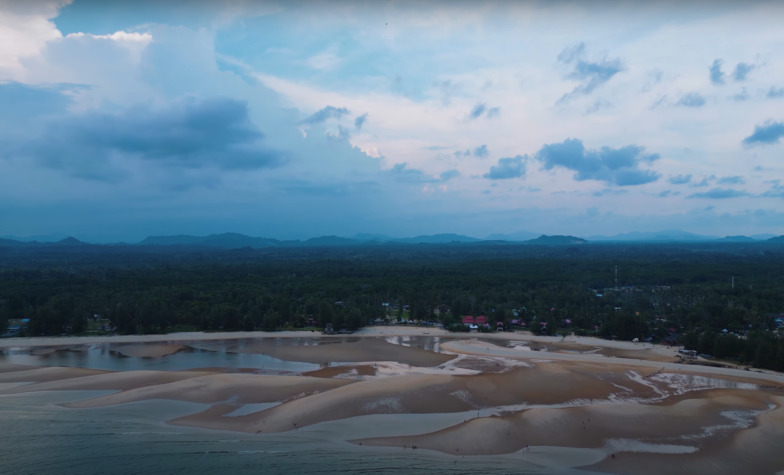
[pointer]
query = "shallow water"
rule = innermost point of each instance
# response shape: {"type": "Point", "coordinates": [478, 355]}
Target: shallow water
{"type": "Point", "coordinates": [228, 354]}
{"type": "Point", "coordinates": [105, 356]}
{"type": "Point", "coordinates": [38, 437]}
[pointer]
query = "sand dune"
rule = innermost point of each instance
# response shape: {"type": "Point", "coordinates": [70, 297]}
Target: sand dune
{"type": "Point", "coordinates": [509, 393]}
{"type": "Point", "coordinates": [88, 379]}
{"type": "Point", "coordinates": [235, 389]}
{"type": "Point", "coordinates": [33, 374]}
{"type": "Point", "coordinates": [408, 394]}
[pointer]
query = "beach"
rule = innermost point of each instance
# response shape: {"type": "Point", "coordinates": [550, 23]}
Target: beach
{"type": "Point", "coordinates": [554, 404]}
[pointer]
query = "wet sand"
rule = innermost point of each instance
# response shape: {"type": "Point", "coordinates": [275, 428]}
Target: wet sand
{"type": "Point", "coordinates": [613, 407]}
{"type": "Point", "coordinates": [148, 350]}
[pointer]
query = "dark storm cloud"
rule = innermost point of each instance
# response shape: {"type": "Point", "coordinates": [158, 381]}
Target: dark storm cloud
{"type": "Point", "coordinates": [325, 189]}
{"type": "Point", "coordinates": [776, 191]}
{"type": "Point", "coordinates": [590, 74]}
{"type": "Point", "coordinates": [720, 194]}
{"type": "Point", "coordinates": [692, 99]}
{"type": "Point", "coordinates": [481, 109]}
{"type": "Point", "coordinates": [328, 112]}
{"type": "Point", "coordinates": [610, 192]}
{"type": "Point", "coordinates": [768, 133]}
{"type": "Point", "coordinates": [480, 151]}
{"type": "Point", "coordinates": [680, 179]}
{"type": "Point", "coordinates": [449, 174]}
{"type": "Point", "coordinates": [477, 111]}
{"type": "Point", "coordinates": [743, 95]}
{"type": "Point", "coordinates": [191, 134]}
{"type": "Point", "coordinates": [706, 181]}
{"type": "Point", "coordinates": [741, 71]}
{"type": "Point", "coordinates": [618, 167]}
{"type": "Point", "coordinates": [402, 173]}
{"type": "Point", "coordinates": [510, 167]}
{"type": "Point", "coordinates": [360, 121]}
{"type": "Point", "coordinates": [776, 92]}
{"type": "Point", "coordinates": [30, 102]}
{"type": "Point", "coordinates": [342, 134]}
{"type": "Point", "coordinates": [731, 180]}
{"type": "Point", "coordinates": [716, 74]}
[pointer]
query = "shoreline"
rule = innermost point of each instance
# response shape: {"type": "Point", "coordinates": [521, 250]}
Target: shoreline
{"type": "Point", "coordinates": [552, 401]}
{"type": "Point", "coordinates": [368, 331]}
{"type": "Point", "coordinates": [556, 347]}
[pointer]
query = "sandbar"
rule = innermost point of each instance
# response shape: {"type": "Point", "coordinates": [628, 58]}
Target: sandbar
{"type": "Point", "coordinates": [605, 406]}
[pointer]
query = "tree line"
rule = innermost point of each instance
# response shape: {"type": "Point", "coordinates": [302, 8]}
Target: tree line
{"type": "Point", "coordinates": [721, 299]}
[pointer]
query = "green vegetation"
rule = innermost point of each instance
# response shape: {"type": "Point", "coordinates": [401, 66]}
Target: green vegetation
{"type": "Point", "coordinates": [721, 298]}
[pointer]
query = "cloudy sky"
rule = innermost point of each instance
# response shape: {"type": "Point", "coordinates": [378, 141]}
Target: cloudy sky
{"type": "Point", "coordinates": [122, 119]}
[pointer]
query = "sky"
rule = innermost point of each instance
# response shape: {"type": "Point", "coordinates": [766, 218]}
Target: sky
{"type": "Point", "coordinates": [295, 119]}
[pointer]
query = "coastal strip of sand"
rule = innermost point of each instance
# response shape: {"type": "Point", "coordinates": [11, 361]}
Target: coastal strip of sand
{"type": "Point", "coordinates": [614, 407]}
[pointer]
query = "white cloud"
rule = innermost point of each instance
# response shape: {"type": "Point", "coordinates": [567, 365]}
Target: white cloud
{"type": "Point", "coordinates": [416, 76]}
{"type": "Point", "coordinates": [325, 60]}
{"type": "Point", "coordinates": [119, 36]}
{"type": "Point", "coordinates": [134, 42]}
{"type": "Point", "coordinates": [25, 28]}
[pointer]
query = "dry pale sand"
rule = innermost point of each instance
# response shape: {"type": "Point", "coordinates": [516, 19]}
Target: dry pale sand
{"type": "Point", "coordinates": [34, 374]}
{"type": "Point", "coordinates": [644, 438]}
{"type": "Point", "coordinates": [89, 379]}
{"type": "Point", "coordinates": [508, 393]}
{"type": "Point", "coordinates": [235, 389]}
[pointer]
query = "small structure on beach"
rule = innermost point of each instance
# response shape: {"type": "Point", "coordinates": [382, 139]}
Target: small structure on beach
{"type": "Point", "coordinates": [691, 354]}
{"type": "Point", "coordinates": [16, 326]}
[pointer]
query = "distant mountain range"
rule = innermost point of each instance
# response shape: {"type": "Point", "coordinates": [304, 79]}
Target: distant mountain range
{"type": "Point", "coordinates": [658, 236]}
{"type": "Point", "coordinates": [233, 240]}
{"type": "Point", "coordinates": [557, 240]}
{"type": "Point", "coordinates": [225, 240]}
{"type": "Point", "coordinates": [513, 237]}
{"type": "Point", "coordinates": [238, 241]}
{"type": "Point", "coordinates": [676, 236]}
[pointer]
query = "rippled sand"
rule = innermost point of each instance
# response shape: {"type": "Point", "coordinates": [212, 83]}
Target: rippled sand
{"type": "Point", "coordinates": [610, 407]}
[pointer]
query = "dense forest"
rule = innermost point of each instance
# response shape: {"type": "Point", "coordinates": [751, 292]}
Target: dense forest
{"type": "Point", "coordinates": [721, 299]}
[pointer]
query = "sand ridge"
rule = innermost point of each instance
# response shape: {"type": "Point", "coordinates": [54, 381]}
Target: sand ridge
{"type": "Point", "coordinates": [508, 393]}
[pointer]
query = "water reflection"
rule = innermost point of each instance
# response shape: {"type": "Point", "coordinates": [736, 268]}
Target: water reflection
{"type": "Point", "coordinates": [107, 356]}
{"type": "Point", "coordinates": [430, 343]}
{"type": "Point", "coordinates": [235, 354]}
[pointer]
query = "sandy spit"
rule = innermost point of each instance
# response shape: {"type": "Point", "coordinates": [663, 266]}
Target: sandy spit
{"type": "Point", "coordinates": [568, 401]}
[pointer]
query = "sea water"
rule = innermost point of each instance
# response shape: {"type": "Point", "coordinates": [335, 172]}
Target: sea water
{"type": "Point", "coordinates": [39, 436]}
{"type": "Point", "coordinates": [105, 356]}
